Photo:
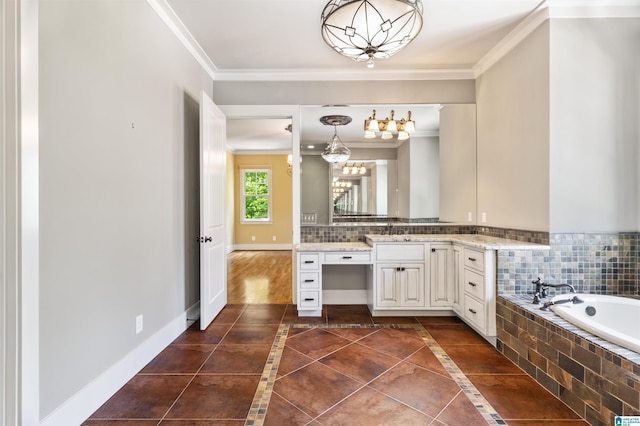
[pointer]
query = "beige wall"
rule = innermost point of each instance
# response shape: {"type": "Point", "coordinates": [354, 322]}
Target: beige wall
{"type": "Point", "coordinates": [458, 163]}
{"type": "Point", "coordinates": [282, 203]}
{"type": "Point", "coordinates": [513, 137]}
{"type": "Point", "coordinates": [595, 125]}
{"type": "Point", "coordinates": [118, 119]}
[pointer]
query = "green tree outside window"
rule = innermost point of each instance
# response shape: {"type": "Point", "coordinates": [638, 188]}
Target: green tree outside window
{"type": "Point", "coordinates": [256, 195]}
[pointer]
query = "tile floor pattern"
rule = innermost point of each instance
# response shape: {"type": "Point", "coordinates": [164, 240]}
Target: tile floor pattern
{"type": "Point", "coordinates": [262, 365]}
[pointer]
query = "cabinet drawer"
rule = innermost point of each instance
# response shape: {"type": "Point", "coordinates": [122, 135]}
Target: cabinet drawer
{"type": "Point", "coordinates": [400, 252]}
{"type": "Point", "coordinates": [474, 283]}
{"type": "Point", "coordinates": [474, 311]}
{"type": "Point", "coordinates": [474, 259]}
{"type": "Point", "coordinates": [347, 257]}
{"type": "Point", "coordinates": [309, 280]}
{"type": "Point", "coordinates": [309, 299]}
{"type": "Point", "coordinates": [309, 261]}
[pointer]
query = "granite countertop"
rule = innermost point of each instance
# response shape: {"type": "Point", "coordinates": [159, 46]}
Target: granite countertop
{"type": "Point", "coordinates": [471, 240]}
{"type": "Point", "coordinates": [356, 246]}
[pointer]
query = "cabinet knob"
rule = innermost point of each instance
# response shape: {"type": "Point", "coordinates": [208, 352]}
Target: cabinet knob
{"type": "Point", "coordinates": [308, 281]}
{"type": "Point", "coordinates": [472, 311]}
{"type": "Point", "coordinates": [472, 284]}
{"type": "Point", "coordinates": [309, 299]}
{"type": "Point", "coordinates": [433, 250]}
{"type": "Point", "coordinates": [308, 261]}
{"type": "Point", "coordinates": [473, 259]}
{"type": "Point", "coordinates": [347, 257]}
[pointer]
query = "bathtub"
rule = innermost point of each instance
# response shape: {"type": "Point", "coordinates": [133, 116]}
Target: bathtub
{"type": "Point", "coordinates": [612, 318]}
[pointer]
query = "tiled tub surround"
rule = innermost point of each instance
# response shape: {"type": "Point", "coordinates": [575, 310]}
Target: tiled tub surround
{"type": "Point", "coordinates": [592, 263]}
{"type": "Point", "coordinates": [594, 377]}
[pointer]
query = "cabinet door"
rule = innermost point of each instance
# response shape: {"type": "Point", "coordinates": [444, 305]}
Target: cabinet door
{"type": "Point", "coordinates": [441, 275]}
{"type": "Point", "coordinates": [387, 285]}
{"type": "Point", "coordinates": [412, 285]}
{"type": "Point", "coordinates": [457, 283]}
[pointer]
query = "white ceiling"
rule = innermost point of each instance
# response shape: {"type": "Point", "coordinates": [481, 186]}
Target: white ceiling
{"type": "Point", "coordinates": [245, 39]}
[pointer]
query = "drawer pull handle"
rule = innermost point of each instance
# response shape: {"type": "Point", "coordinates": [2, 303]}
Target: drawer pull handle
{"type": "Point", "coordinates": [309, 261]}
{"type": "Point", "coordinates": [473, 259]}
{"type": "Point", "coordinates": [472, 284]}
{"type": "Point", "coordinates": [472, 311]}
{"type": "Point", "coordinates": [347, 257]}
{"type": "Point", "coordinates": [311, 299]}
{"type": "Point", "coordinates": [309, 281]}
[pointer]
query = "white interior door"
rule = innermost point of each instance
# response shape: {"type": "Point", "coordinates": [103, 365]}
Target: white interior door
{"type": "Point", "coordinates": [213, 258]}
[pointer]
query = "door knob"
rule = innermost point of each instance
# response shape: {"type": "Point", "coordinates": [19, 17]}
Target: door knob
{"type": "Point", "coordinates": [208, 239]}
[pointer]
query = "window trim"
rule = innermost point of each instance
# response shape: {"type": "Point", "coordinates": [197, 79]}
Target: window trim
{"type": "Point", "coordinates": [256, 169]}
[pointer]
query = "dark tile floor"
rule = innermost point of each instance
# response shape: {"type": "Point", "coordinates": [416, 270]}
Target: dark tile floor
{"type": "Point", "coordinates": [402, 371]}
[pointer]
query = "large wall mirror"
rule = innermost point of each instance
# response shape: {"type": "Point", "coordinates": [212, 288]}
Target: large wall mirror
{"type": "Point", "coordinates": [428, 177]}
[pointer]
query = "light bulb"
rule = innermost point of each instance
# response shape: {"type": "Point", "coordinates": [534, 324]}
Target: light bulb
{"type": "Point", "coordinates": [369, 134]}
{"type": "Point", "coordinates": [403, 136]}
{"type": "Point", "coordinates": [386, 135]}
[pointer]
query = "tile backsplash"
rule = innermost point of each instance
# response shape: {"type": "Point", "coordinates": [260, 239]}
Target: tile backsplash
{"type": "Point", "coordinates": [592, 263]}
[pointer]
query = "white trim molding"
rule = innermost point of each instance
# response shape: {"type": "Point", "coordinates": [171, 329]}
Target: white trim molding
{"type": "Point", "coordinates": [177, 27]}
{"type": "Point", "coordinates": [556, 9]}
{"type": "Point", "coordinates": [79, 407]}
{"type": "Point", "coordinates": [262, 247]}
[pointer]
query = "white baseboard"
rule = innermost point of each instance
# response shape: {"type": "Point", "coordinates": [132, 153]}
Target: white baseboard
{"type": "Point", "coordinates": [193, 313]}
{"type": "Point", "coordinates": [344, 297]}
{"type": "Point", "coordinates": [262, 247]}
{"type": "Point", "coordinates": [79, 407]}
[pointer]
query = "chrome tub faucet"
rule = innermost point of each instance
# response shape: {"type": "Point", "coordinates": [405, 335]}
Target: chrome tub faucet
{"type": "Point", "coordinates": [541, 289]}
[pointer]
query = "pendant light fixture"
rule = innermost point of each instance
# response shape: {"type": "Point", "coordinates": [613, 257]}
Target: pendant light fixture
{"type": "Point", "coordinates": [365, 30]}
{"type": "Point", "coordinates": [336, 151]}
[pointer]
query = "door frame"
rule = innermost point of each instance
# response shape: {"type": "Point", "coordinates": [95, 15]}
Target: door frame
{"type": "Point", "coordinates": [278, 111]}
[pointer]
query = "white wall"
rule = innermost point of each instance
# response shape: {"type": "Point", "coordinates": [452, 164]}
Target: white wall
{"type": "Point", "coordinates": [117, 98]}
{"type": "Point", "coordinates": [513, 137]}
{"type": "Point", "coordinates": [595, 125]}
{"type": "Point", "coordinates": [458, 163]}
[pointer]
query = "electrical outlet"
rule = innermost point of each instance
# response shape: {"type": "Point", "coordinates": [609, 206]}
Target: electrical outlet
{"type": "Point", "coordinates": [253, 238]}
{"type": "Point", "coordinates": [484, 217]}
{"type": "Point", "coordinates": [274, 238]}
{"type": "Point", "coordinates": [139, 324]}
{"type": "Point", "coordinates": [470, 216]}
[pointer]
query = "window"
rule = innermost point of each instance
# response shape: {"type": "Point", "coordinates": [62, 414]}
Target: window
{"type": "Point", "coordinates": [256, 196]}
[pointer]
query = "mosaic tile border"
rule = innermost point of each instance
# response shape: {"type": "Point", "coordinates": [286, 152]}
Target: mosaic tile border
{"type": "Point", "coordinates": [260, 404]}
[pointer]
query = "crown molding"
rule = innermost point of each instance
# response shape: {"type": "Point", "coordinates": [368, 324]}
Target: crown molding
{"type": "Point", "coordinates": [556, 9]}
{"type": "Point", "coordinates": [177, 27]}
{"type": "Point", "coordinates": [345, 75]}
{"type": "Point", "coordinates": [547, 9]}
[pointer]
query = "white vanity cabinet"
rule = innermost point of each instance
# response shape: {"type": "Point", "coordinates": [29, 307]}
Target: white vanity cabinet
{"type": "Point", "coordinates": [400, 285]}
{"type": "Point", "coordinates": [441, 275]}
{"type": "Point", "coordinates": [309, 272]}
{"type": "Point", "coordinates": [309, 284]}
{"type": "Point", "coordinates": [477, 289]}
{"type": "Point", "coordinates": [400, 282]}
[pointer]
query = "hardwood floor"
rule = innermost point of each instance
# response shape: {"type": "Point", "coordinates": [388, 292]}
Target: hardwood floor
{"type": "Point", "coordinates": [259, 277]}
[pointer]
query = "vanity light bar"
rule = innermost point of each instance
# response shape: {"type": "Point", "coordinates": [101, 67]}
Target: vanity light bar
{"type": "Point", "coordinates": [388, 126]}
{"type": "Point", "coordinates": [354, 170]}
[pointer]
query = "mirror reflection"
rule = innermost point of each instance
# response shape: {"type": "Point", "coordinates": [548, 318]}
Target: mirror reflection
{"type": "Point", "coordinates": [362, 189]}
{"type": "Point", "coordinates": [428, 177]}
